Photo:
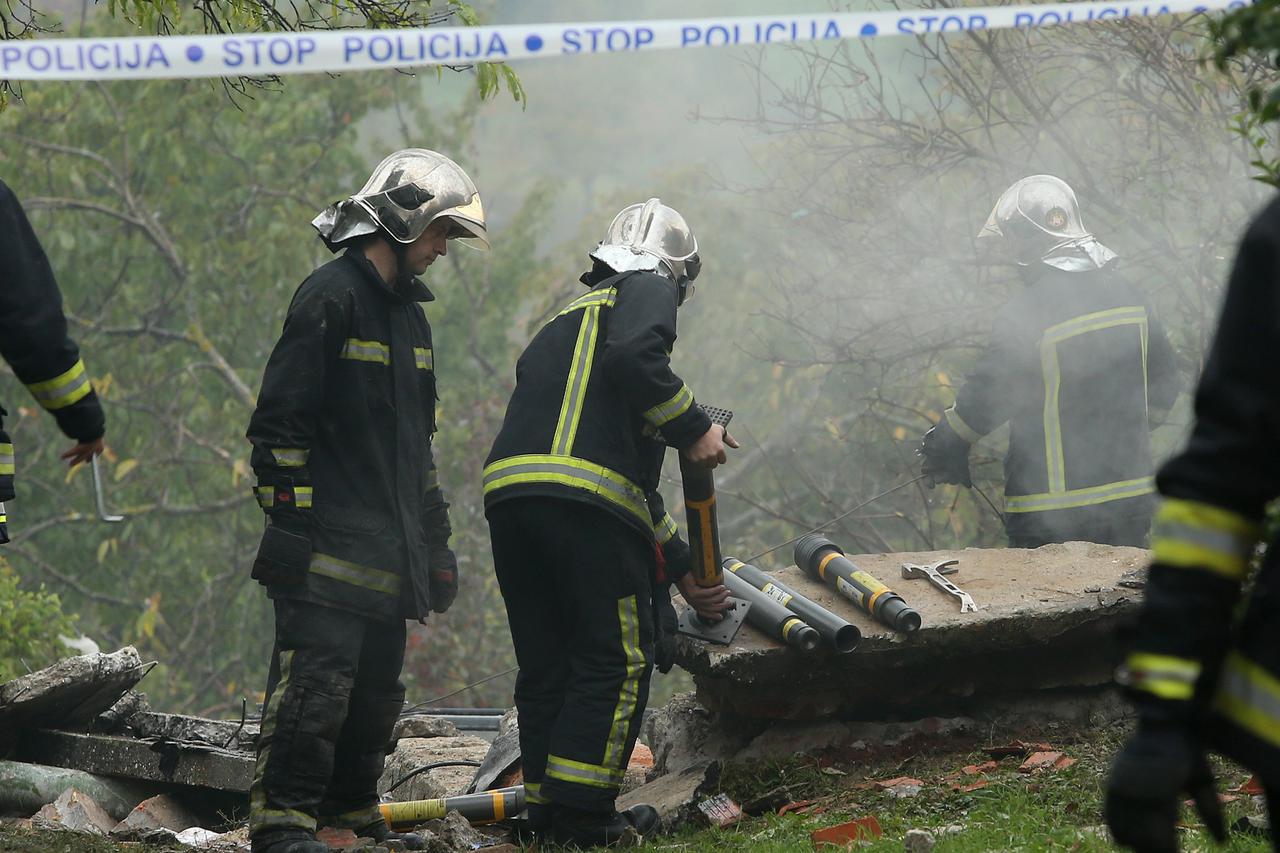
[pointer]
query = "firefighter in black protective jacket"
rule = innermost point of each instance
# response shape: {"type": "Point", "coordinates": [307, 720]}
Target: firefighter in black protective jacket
{"type": "Point", "coordinates": [357, 535]}
{"type": "Point", "coordinates": [578, 528]}
{"type": "Point", "coordinates": [1199, 678]}
{"type": "Point", "coordinates": [34, 341]}
{"type": "Point", "coordinates": [1074, 364]}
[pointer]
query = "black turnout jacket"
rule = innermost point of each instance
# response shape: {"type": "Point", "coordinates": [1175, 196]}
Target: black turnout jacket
{"type": "Point", "coordinates": [342, 441]}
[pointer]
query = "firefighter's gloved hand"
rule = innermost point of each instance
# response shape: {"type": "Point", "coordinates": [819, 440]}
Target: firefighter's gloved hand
{"type": "Point", "coordinates": [442, 578]}
{"type": "Point", "coordinates": [946, 457]}
{"type": "Point", "coordinates": [284, 556]}
{"type": "Point", "coordinates": [1160, 765]}
{"type": "Point", "coordinates": [664, 644]}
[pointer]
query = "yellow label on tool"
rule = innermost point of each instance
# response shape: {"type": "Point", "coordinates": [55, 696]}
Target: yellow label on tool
{"type": "Point", "coordinates": [415, 812]}
{"type": "Point", "coordinates": [776, 594]}
{"type": "Point", "coordinates": [846, 588]}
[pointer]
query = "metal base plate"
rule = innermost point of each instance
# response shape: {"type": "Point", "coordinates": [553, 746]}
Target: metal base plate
{"type": "Point", "coordinates": [721, 633]}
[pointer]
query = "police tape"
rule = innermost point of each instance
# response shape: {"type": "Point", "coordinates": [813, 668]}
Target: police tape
{"type": "Point", "coordinates": [264, 54]}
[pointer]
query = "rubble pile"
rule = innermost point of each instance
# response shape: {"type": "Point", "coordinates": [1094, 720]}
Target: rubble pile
{"type": "Point", "coordinates": [82, 751]}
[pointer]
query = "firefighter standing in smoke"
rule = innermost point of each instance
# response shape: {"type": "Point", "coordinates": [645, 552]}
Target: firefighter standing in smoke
{"type": "Point", "coordinates": [357, 527]}
{"type": "Point", "coordinates": [578, 529]}
{"type": "Point", "coordinates": [1198, 679]}
{"type": "Point", "coordinates": [34, 341]}
{"type": "Point", "coordinates": [1074, 363]}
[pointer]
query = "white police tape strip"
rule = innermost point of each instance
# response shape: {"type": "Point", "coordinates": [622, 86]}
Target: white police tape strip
{"type": "Point", "coordinates": [355, 50]}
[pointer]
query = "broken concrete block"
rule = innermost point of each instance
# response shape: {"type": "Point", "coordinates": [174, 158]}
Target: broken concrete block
{"type": "Point", "coordinates": [159, 812]}
{"type": "Point", "coordinates": [161, 761]}
{"type": "Point", "coordinates": [509, 720]}
{"type": "Point", "coordinates": [499, 762]}
{"type": "Point", "coordinates": [24, 788]}
{"type": "Point", "coordinates": [1036, 629]}
{"type": "Point", "coordinates": [918, 841]}
{"type": "Point", "coordinates": [117, 718]}
{"type": "Point", "coordinates": [69, 694]}
{"type": "Point", "coordinates": [683, 733]}
{"type": "Point", "coordinates": [224, 734]}
{"type": "Point", "coordinates": [413, 753]}
{"type": "Point", "coordinates": [75, 811]}
{"type": "Point", "coordinates": [424, 726]}
{"type": "Point", "coordinates": [676, 795]}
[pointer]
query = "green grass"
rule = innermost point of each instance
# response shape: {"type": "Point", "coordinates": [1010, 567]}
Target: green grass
{"type": "Point", "coordinates": [1055, 810]}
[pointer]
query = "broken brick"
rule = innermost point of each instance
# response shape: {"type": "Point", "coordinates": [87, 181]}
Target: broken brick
{"type": "Point", "coordinates": [641, 756]}
{"type": "Point", "coordinates": [841, 835]}
{"type": "Point", "coordinates": [720, 811]}
{"type": "Point", "coordinates": [1017, 748]}
{"type": "Point", "coordinates": [1251, 786]}
{"type": "Point", "coordinates": [798, 807]}
{"type": "Point", "coordinates": [984, 767]}
{"type": "Point", "coordinates": [896, 782]}
{"type": "Point", "coordinates": [1040, 761]}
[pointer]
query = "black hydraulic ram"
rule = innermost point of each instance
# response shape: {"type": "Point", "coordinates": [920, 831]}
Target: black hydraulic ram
{"type": "Point", "coordinates": [824, 560]}
{"type": "Point", "coordinates": [770, 616]}
{"type": "Point", "coordinates": [836, 632]}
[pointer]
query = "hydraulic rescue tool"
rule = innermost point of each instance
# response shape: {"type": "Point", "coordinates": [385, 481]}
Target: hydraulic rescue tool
{"type": "Point", "coordinates": [484, 807]}
{"type": "Point", "coordinates": [97, 495]}
{"type": "Point", "coordinates": [836, 632]}
{"type": "Point", "coordinates": [704, 543]}
{"type": "Point", "coordinates": [770, 616]}
{"type": "Point", "coordinates": [934, 573]}
{"type": "Point", "coordinates": [824, 560]}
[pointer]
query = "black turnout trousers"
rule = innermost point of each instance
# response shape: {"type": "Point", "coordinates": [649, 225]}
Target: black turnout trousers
{"type": "Point", "coordinates": [333, 697]}
{"type": "Point", "coordinates": [576, 580]}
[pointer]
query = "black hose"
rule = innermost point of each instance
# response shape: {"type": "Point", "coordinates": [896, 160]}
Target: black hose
{"type": "Point", "coordinates": [462, 762]}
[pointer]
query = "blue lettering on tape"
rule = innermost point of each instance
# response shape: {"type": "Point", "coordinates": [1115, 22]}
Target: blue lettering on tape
{"type": "Point", "coordinates": [731, 33]}
{"type": "Point", "coordinates": [410, 48]}
{"type": "Point", "coordinates": [80, 56]}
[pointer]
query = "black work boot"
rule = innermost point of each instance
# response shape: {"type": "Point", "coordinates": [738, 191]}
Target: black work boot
{"type": "Point", "coordinates": [576, 828]}
{"type": "Point", "coordinates": [288, 841]}
{"type": "Point", "coordinates": [380, 832]}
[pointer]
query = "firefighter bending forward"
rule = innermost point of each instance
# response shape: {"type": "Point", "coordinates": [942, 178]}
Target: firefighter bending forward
{"type": "Point", "coordinates": [578, 529]}
{"type": "Point", "coordinates": [1199, 679]}
{"type": "Point", "coordinates": [1073, 363]}
{"type": "Point", "coordinates": [357, 535]}
{"type": "Point", "coordinates": [34, 341]}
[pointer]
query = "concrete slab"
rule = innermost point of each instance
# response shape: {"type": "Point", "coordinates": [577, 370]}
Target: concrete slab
{"type": "Point", "coordinates": [1046, 619]}
{"type": "Point", "coordinates": [413, 753]}
{"type": "Point", "coordinates": [225, 734]}
{"type": "Point", "coordinates": [69, 694]}
{"type": "Point", "coordinates": [128, 758]}
{"type": "Point", "coordinates": [24, 788]}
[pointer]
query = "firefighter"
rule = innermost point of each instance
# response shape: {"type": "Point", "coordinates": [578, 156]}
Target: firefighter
{"type": "Point", "coordinates": [1074, 363]}
{"type": "Point", "coordinates": [1199, 678]}
{"type": "Point", "coordinates": [579, 531]}
{"type": "Point", "coordinates": [357, 530]}
{"type": "Point", "coordinates": [34, 341]}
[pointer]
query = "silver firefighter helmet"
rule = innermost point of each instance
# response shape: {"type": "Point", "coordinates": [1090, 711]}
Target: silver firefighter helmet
{"type": "Point", "coordinates": [1039, 220]}
{"type": "Point", "coordinates": [653, 237]}
{"type": "Point", "coordinates": [407, 192]}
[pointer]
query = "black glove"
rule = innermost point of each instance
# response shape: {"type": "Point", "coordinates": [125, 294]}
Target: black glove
{"type": "Point", "coordinates": [946, 457]}
{"type": "Point", "coordinates": [1148, 780]}
{"type": "Point", "coordinates": [442, 578]}
{"type": "Point", "coordinates": [284, 556]}
{"type": "Point", "coordinates": [665, 625]}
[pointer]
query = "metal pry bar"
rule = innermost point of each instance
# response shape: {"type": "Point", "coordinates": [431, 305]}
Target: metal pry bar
{"type": "Point", "coordinates": [97, 495]}
{"type": "Point", "coordinates": [934, 573]}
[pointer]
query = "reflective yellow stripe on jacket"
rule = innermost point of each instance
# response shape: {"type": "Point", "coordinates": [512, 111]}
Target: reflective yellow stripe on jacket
{"type": "Point", "coordinates": [568, 471]}
{"type": "Point", "coordinates": [6, 459]}
{"type": "Point", "coordinates": [1164, 676]}
{"type": "Point", "coordinates": [62, 390]}
{"type": "Point", "coordinates": [1058, 495]}
{"type": "Point", "coordinates": [1193, 535]}
{"type": "Point", "coordinates": [1249, 696]}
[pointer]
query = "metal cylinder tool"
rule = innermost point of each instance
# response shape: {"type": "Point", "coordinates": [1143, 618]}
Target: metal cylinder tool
{"type": "Point", "coordinates": [823, 559]}
{"type": "Point", "coordinates": [771, 617]}
{"type": "Point", "coordinates": [481, 808]}
{"type": "Point", "coordinates": [839, 634]}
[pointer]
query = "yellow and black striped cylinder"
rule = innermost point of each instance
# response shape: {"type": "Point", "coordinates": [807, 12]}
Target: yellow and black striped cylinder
{"type": "Point", "coordinates": [700, 516]}
{"type": "Point", "coordinates": [824, 560]}
{"type": "Point", "coordinates": [485, 807]}
{"type": "Point", "coordinates": [841, 635]}
{"type": "Point", "coordinates": [771, 617]}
